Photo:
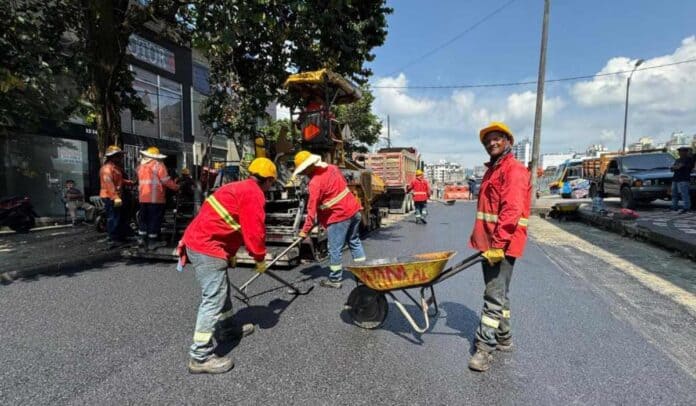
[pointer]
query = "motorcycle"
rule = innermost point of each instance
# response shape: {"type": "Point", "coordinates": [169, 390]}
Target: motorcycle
{"type": "Point", "coordinates": [17, 213]}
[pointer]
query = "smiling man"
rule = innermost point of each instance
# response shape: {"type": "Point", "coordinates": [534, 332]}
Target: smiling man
{"type": "Point", "coordinates": [500, 233]}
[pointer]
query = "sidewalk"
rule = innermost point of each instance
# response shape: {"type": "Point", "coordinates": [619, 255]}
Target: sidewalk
{"type": "Point", "coordinates": [656, 223]}
{"type": "Point", "coordinates": [52, 249]}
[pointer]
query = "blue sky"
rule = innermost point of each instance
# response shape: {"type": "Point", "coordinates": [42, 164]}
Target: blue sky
{"type": "Point", "coordinates": [585, 38]}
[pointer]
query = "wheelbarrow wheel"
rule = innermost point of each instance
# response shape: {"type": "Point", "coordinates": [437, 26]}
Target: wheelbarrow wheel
{"type": "Point", "coordinates": [367, 307]}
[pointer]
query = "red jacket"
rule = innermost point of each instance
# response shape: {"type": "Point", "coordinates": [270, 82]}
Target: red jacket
{"type": "Point", "coordinates": [152, 179]}
{"type": "Point", "coordinates": [232, 216]}
{"type": "Point", "coordinates": [503, 208]}
{"type": "Point", "coordinates": [329, 198]}
{"type": "Point", "coordinates": [421, 189]}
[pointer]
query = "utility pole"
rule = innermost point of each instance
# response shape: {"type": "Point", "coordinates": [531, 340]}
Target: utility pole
{"type": "Point", "coordinates": [388, 133]}
{"type": "Point", "coordinates": [539, 100]}
{"type": "Point", "coordinates": [628, 86]}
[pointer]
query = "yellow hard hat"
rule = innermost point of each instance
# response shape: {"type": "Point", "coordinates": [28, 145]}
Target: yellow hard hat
{"type": "Point", "coordinates": [153, 152]}
{"type": "Point", "coordinates": [497, 126]}
{"type": "Point", "coordinates": [419, 172]}
{"type": "Point", "coordinates": [263, 167]}
{"type": "Point", "coordinates": [112, 150]}
{"type": "Point", "coordinates": [300, 157]}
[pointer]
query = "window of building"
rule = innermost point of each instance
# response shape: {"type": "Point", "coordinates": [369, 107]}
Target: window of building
{"type": "Point", "coordinates": [162, 97]}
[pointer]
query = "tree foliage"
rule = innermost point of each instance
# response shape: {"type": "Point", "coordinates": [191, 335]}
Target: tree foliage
{"type": "Point", "coordinates": [364, 125]}
{"type": "Point", "coordinates": [252, 45]}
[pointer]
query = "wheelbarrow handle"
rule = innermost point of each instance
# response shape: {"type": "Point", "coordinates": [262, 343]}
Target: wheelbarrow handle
{"type": "Point", "coordinates": [464, 264]}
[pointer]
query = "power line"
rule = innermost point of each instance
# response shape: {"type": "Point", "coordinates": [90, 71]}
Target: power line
{"type": "Point", "coordinates": [455, 38]}
{"type": "Point", "coordinates": [534, 82]}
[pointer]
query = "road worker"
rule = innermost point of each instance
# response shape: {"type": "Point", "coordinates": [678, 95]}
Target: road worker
{"type": "Point", "coordinates": [152, 180]}
{"type": "Point", "coordinates": [232, 216]}
{"type": "Point", "coordinates": [500, 233]}
{"type": "Point", "coordinates": [111, 191]}
{"type": "Point", "coordinates": [421, 193]}
{"type": "Point", "coordinates": [333, 205]}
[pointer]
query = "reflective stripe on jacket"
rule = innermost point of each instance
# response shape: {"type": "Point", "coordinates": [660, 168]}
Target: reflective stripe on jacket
{"type": "Point", "coordinates": [152, 179]}
{"type": "Point", "coordinates": [421, 189]}
{"type": "Point", "coordinates": [232, 216]}
{"type": "Point", "coordinates": [330, 200]}
{"type": "Point", "coordinates": [110, 181]}
{"type": "Point", "coordinates": [503, 208]}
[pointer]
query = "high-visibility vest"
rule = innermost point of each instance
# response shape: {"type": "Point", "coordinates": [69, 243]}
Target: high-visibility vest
{"type": "Point", "coordinates": [152, 179]}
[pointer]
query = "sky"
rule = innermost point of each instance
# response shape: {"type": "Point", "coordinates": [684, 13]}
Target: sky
{"type": "Point", "coordinates": [586, 38]}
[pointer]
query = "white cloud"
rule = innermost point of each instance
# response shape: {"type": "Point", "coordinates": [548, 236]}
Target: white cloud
{"type": "Point", "coordinates": [523, 105]}
{"type": "Point", "coordinates": [395, 101]}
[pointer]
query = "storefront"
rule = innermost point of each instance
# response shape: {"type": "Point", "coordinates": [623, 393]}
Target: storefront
{"type": "Point", "coordinates": [37, 165]}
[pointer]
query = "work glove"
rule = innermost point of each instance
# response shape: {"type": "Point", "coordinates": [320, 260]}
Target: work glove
{"type": "Point", "coordinates": [494, 255]}
{"type": "Point", "coordinates": [302, 234]}
{"type": "Point", "coordinates": [261, 267]}
{"type": "Point", "coordinates": [118, 202]}
{"type": "Point", "coordinates": [232, 261]}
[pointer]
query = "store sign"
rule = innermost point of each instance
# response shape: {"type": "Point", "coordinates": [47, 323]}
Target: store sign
{"type": "Point", "coordinates": [151, 53]}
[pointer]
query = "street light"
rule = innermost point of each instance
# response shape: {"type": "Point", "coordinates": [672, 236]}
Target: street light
{"type": "Point", "coordinates": [628, 86]}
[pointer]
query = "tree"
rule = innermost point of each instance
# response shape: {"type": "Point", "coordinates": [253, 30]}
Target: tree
{"type": "Point", "coordinates": [35, 79]}
{"type": "Point", "coordinates": [364, 125]}
{"type": "Point", "coordinates": [69, 56]}
{"type": "Point", "coordinates": [253, 45]}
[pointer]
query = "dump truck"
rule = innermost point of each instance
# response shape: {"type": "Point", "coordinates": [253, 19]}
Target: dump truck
{"type": "Point", "coordinates": [397, 167]}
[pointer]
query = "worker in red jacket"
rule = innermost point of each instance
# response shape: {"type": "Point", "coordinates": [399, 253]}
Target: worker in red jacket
{"type": "Point", "coordinates": [500, 233]}
{"type": "Point", "coordinates": [232, 216]}
{"type": "Point", "coordinates": [333, 205]}
{"type": "Point", "coordinates": [421, 193]}
{"type": "Point", "coordinates": [153, 178]}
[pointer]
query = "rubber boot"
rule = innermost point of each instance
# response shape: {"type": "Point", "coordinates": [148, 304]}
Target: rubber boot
{"type": "Point", "coordinates": [480, 361]}
{"type": "Point", "coordinates": [142, 242]}
{"type": "Point", "coordinates": [154, 243]}
{"type": "Point", "coordinates": [212, 365]}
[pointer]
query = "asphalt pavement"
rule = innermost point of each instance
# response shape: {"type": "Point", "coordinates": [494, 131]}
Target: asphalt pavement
{"type": "Point", "coordinates": [119, 334]}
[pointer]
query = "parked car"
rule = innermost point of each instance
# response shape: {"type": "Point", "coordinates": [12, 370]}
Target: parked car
{"type": "Point", "coordinates": [636, 178]}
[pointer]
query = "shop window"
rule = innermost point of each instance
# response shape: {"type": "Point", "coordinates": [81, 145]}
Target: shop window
{"type": "Point", "coordinates": [164, 99]}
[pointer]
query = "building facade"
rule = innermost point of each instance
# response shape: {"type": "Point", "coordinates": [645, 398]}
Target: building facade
{"type": "Point", "coordinates": [444, 172]}
{"type": "Point", "coordinates": [523, 151]}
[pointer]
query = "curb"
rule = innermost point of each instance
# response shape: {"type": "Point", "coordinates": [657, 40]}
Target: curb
{"type": "Point", "coordinates": [95, 259]}
{"type": "Point", "coordinates": [630, 229]}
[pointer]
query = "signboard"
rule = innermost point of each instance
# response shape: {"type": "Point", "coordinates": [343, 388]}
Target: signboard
{"type": "Point", "coordinates": [151, 53]}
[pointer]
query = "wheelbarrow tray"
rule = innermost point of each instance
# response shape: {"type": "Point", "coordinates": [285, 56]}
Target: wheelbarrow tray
{"type": "Point", "coordinates": [402, 272]}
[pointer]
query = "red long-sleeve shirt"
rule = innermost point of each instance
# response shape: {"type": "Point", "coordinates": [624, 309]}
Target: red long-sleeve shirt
{"type": "Point", "coordinates": [503, 208]}
{"type": "Point", "coordinates": [232, 216]}
{"type": "Point", "coordinates": [330, 200]}
{"type": "Point", "coordinates": [421, 189]}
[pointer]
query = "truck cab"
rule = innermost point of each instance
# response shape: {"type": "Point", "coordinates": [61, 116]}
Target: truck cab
{"type": "Point", "coordinates": [638, 178]}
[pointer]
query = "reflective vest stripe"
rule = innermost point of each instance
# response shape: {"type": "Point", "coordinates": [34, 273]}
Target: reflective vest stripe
{"type": "Point", "coordinates": [493, 218]}
{"type": "Point", "coordinates": [419, 193]}
{"type": "Point", "coordinates": [222, 212]}
{"type": "Point", "coordinates": [155, 181]}
{"type": "Point", "coordinates": [331, 202]}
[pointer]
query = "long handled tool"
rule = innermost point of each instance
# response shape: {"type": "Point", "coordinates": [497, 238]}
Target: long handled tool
{"type": "Point", "coordinates": [242, 289]}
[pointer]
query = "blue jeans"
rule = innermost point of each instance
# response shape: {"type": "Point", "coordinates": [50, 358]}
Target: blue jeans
{"type": "Point", "coordinates": [216, 307]}
{"type": "Point", "coordinates": [421, 209]}
{"type": "Point", "coordinates": [150, 219]}
{"type": "Point", "coordinates": [681, 188]}
{"type": "Point", "coordinates": [116, 226]}
{"type": "Point", "coordinates": [346, 231]}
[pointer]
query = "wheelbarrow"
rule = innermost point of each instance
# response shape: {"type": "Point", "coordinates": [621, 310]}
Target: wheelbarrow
{"type": "Point", "coordinates": [367, 303]}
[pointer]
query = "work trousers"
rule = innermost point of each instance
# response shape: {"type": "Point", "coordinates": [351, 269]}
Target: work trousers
{"type": "Point", "coordinates": [150, 219]}
{"type": "Point", "coordinates": [215, 310]}
{"type": "Point", "coordinates": [116, 221]}
{"type": "Point", "coordinates": [344, 232]}
{"type": "Point", "coordinates": [495, 317]}
{"type": "Point", "coordinates": [73, 205]}
{"type": "Point", "coordinates": [421, 209]}
{"type": "Point", "coordinates": [681, 189]}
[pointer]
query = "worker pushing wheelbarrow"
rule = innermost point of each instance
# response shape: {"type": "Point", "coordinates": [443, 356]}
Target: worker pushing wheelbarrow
{"type": "Point", "coordinates": [377, 279]}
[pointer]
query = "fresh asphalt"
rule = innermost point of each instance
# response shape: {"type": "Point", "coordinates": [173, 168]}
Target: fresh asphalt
{"type": "Point", "coordinates": [119, 334]}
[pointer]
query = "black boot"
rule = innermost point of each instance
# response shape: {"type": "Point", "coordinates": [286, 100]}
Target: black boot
{"type": "Point", "coordinates": [480, 361]}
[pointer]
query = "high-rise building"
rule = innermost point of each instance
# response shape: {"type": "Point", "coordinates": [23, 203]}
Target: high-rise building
{"type": "Point", "coordinates": [523, 151]}
{"type": "Point", "coordinates": [444, 172]}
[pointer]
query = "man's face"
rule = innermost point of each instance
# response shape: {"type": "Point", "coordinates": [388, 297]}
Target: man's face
{"type": "Point", "coordinates": [266, 185]}
{"type": "Point", "coordinates": [496, 143]}
{"type": "Point", "coordinates": [69, 185]}
{"type": "Point", "coordinates": [683, 153]}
